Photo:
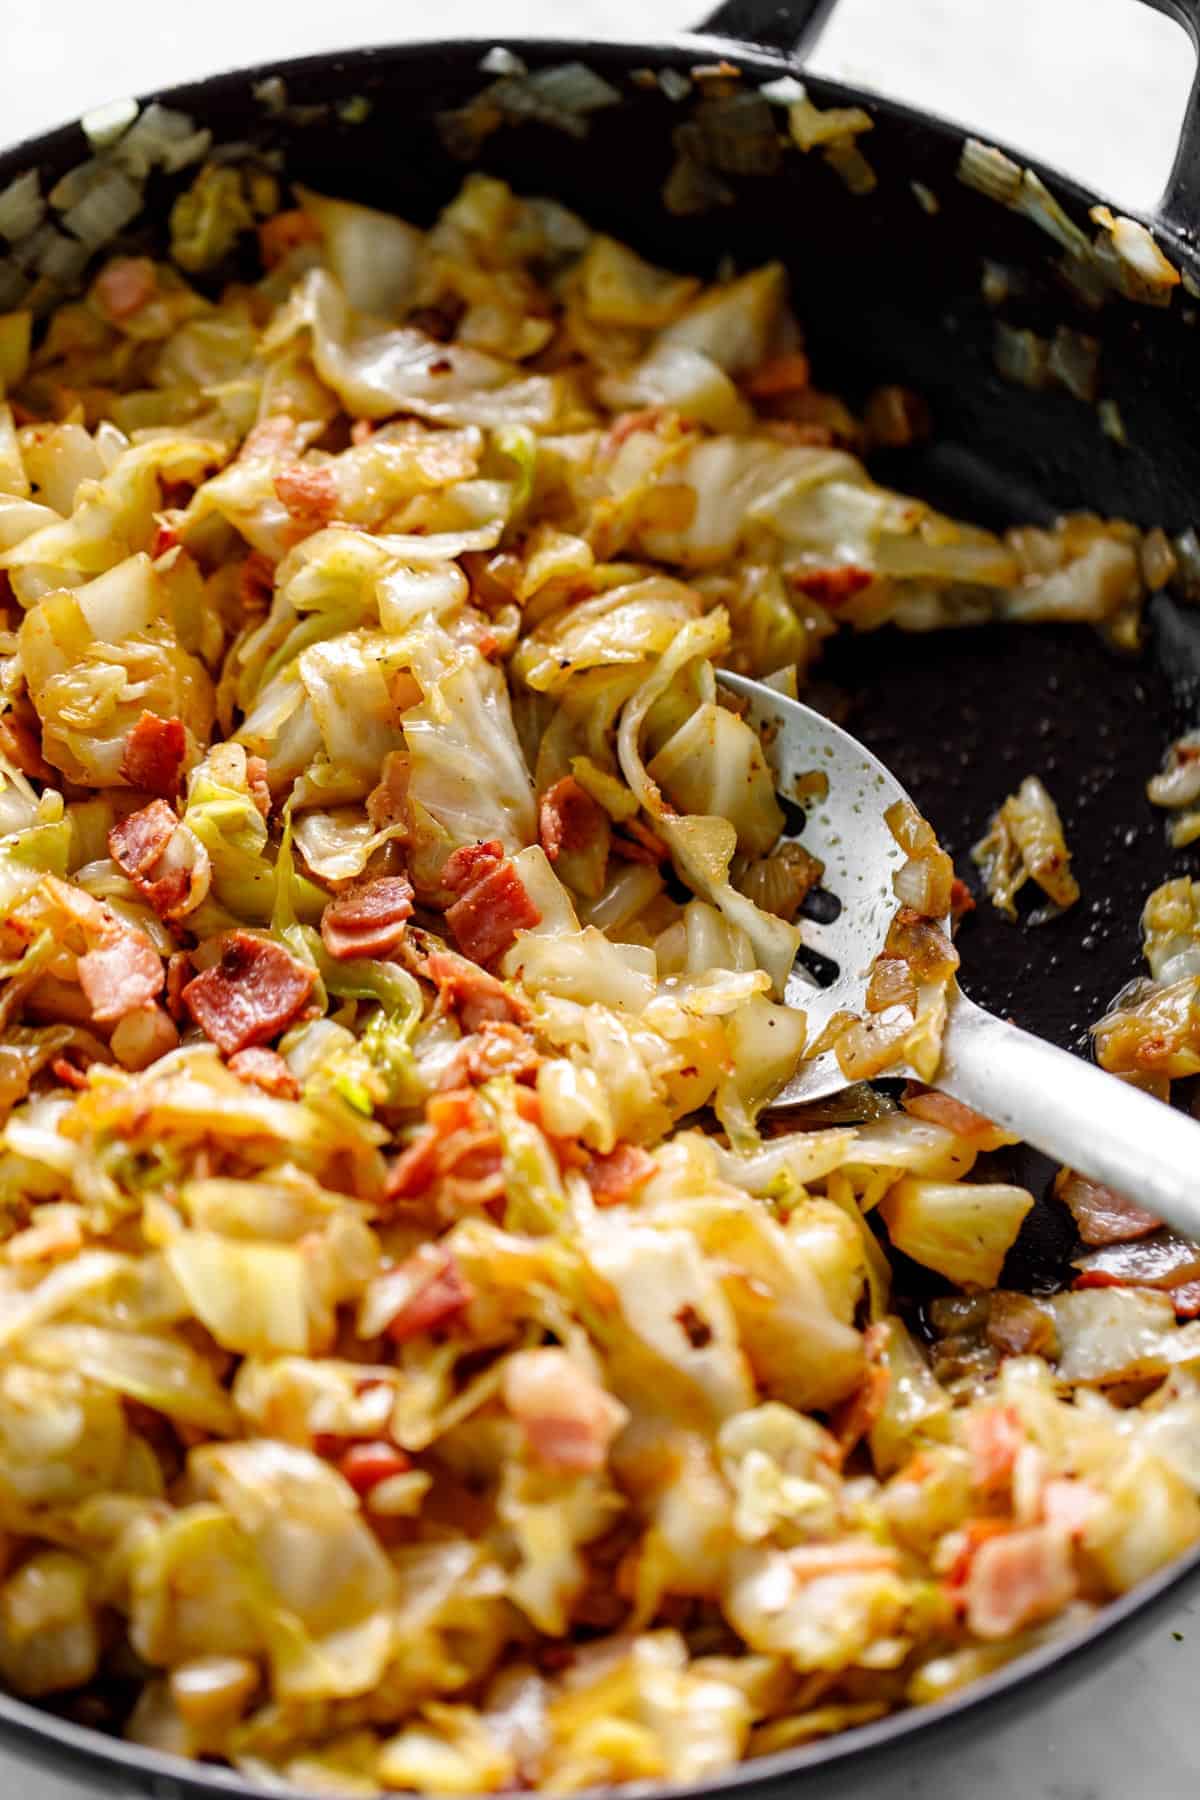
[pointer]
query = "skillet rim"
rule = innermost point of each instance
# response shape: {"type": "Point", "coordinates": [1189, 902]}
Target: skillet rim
{"type": "Point", "coordinates": [52, 1739]}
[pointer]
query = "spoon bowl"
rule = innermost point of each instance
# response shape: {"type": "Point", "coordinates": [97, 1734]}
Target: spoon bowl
{"type": "Point", "coordinates": [1090, 1121]}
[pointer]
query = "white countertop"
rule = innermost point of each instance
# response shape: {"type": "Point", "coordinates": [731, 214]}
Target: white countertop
{"type": "Point", "coordinates": [1096, 87]}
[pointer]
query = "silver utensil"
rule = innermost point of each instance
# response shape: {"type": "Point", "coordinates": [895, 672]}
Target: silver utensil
{"type": "Point", "coordinates": [1068, 1108]}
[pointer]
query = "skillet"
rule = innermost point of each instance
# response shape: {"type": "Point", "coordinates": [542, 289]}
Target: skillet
{"type": "Point", "coordinates": [888, 289]}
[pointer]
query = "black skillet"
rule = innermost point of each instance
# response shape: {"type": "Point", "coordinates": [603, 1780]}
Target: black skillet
{"type": "Point", "coordinates": [887, 292]}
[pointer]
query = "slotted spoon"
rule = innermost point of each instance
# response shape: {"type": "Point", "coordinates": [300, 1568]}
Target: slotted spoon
{"type": "Point", "coordinates": [1068, 1108]}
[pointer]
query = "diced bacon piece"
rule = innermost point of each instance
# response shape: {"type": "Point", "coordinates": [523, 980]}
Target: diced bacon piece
{"type": "Point", "coordinates": [125, 286]}
{"type": "Point", "coordinates": [256, 989]}
{"type": "Point", "coordinates": [497, 1048]}
{"type": "Point", "coordinates": [568, 1419]}
{"type": "Point", "coordinates": [256, 583]}
{"type": "Point", "coordinates": [962, 900]}
{"type": "Point", "coordinates": [1069, 1504]}
{"type": "Point", "coordinates": [284, 232]}
{"type": "Point", "coordinates": [615, 1178]}
{"type": "Point", "coordinates": [1101, 1215]}
{"type": "Point", "coordinates": [309, 493]}
{"type": "Point", "coordinates": [368, 920]}
{"type": "Point", "coordinates": [811, 1562]}
{"type": "Point", "coordinates": [258, 785]}
{"type": "Point", "coordinates": [832, 586]}
{"type": "Point", "coordinates": [994, 1438]}
{"type": "Point", "coordinates": [364, 1466]}
{"type": "Point", "coordinates": [487, 916]}
{"type": "Point", "coordinates": [1018, 1577]}
{"type": "Point", "coordinates": [626, 424]}
{"type": "Point", "coordinates": [436, 1293]}
{"type": "Point", "coordinates": [787, 374]}
{"type": "Point", "coordinates": [568, 818]}
{"type": "Point", "coordinates": [267, 1070]}
{"type": "Point", "coordinates": [68, 1074]}
{"type": "Point", "coordinates": [458, 1158]}
{"type": "Point", "coordinates": [120, 975]}
{"type": "Point", "coordinates": [465, 867]}
{"type": "Point", "coordinates": [1019, 1325]}
{"type": "Point", "coordinates": [791, 431]}
{"type": "Point", "coordinates": [362, 430]}
{"type": "Point", "coordinates": [21, 743]}
{"type": "Point", "coordinates": [471, 994]}
{"type": "Point", "coordinates": [387, 804]}
{"type": "Point", "coordinates": [137, 842]}
{"type": "Point", "coordinates": [1186, 1298]}
{"type": "Point", "coordinates": [964, 1121]}
{"type": "Point", "coordinates": [276, 436]}
{"type": "Point", "coordinates": [154, 754]}
{"type": "Point", "coordinates": [857, 1417]}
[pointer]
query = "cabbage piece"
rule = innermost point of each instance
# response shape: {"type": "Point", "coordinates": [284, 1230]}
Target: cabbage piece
{"type": "Point", "coordinates": [660, 1278]}
{"type": "Point", "coordinates": [765, 1044]}
{"type": "Point", "coordinates": [963, 1230]}
{"type": "Point", "coordinates": [1119, 1334]}
{"type": "Point", "coordinates": [113, 515]}
{"type": "Point", "coordinates": [714, 763]}
{"type": "Point", "coordinates": [585, 966]}
{"type": "Point", "coordinates": [702, 847]}
{"type": "Point", "coordinates": [624, 625]}
{"type": "Point", "coordinates": [375, 257]}
{"type": "Point", "coordinates": [333, 1582]}
{"type": "Point", "coordinates": [49, 1632]}
{"type": "Point", "coordinates": [1149, 1517]}
{"type": "Point", "coordinates": [222, 813]}
{"type": "Point", "coordinates": [61, 1438]}
{"type": "Point", "coordinates": [378, 373]}
{"type": "Point", "coordinates": [733, 323]}
{"type": "Point", "coordinates": [916, 1408]}
{"type": "Point", "coordinates": [161, 1372]}
{"type": "Point", "coordinates": [828, 1621]}
{"type": "Point", "coordinates": [253, 1298]}
{"type": "Point", "coordinates": [779, 1465]}
{"type": "Point", "coordinates": [345, 678]}
{"type": "Point", "coordinates": [467, 771]}
{"type": "Point", "coordinates": [550, 1517]}
{"type": "Point", "coordinates": [96, 659]}
{"type": "Point", "coordinates": [683, 379]}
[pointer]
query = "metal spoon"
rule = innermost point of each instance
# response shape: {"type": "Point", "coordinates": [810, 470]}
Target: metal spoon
{"type": "Point", "coordinates": [1068, 1108]}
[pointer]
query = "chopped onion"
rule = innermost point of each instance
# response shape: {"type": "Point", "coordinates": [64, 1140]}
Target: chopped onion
{"type": "Point", "coordinates": [925, 198]}
{"type": "Point", "coordinates": [1111, 423]}
{"type": "Point", "coordinates": [573, 88]}
{"type": "Point", "coordinates": [674, 85]}
{"type": "Point", "coordinates": [1073, 363]}
{"type": "Point", "coordinates": [784, 91]}
{"type": "Point", "coordinates": [500, 61]}
{"type": "Point", "coordinates": [111, 205]}
{"type": "Point", "coordinates": [161, 138]}
{"type": "Point", "coordinates": [987, 170]}
{"type": "Point", "coordinates": [1020, 356]}
{"type": "Point", "coordinates": [105, 124]}
{"type": "Point", "coordinates": [22, 208]}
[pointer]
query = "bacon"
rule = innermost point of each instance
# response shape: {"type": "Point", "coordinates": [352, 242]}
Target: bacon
{"type": "Point", "coordinates": [68, 1074]}
{"type": "Point", "coordinates": [811, 1562]}
{"type": "Point", "coordinates": [615, 1178]}
{"type": "Point", "coordinates": [310, 494]}
{"type": "Point", "coordinates": [787, 374]}
{"type": "Point", "coordinates": [962, 900]}
{"type": "Point", "coordinates": [497, 1048]}
{"type": "Point", "coordinates": [493, 903]}
{"type": "Point", "coordinates": [964, 1121]}
{"type": "Point", "coordinates": [1017, 1577]}
{"type": "Point", "coordinates": [438, 1292]}
{"type": "Point", "coordinates": [121, 975]}
{"type": "Point", "coordinates": [136, 844]}
{"type": "Point", "coordinates": [256, 782]}
{"type": "Point", "coordinates": [1187, 1299]}
{"type": "Point", "coordinates": [1019, 1326]}
{"type": "Point", "coordinates": [458, 1159]}
{"type": "Point", "coordinates": [832, 586]}
{"type": "Point", "coordinates": [1069, 1504]}
{"type": "Point", "coordinates": [154, 755]}
{"type": "Point", "coordinates": [857, 1417]}
{"type": "Point", "coordinates": [364, 1466]}
{"type": "Point", "coordinates": [267, 1070]}
{"type": "Point", "coordinates": [272, 437]}
{"type": "Point", "coordinates": [21, 742]}
{"type": "Point", "coordinates": [250, 995]}
{"type": "Point", "coordinates": [125, 286]}
{"type": "Point", "coordinates": [279, 235]}
{"type": "Point", "coordinates": [387, 804]}
{"type": "Point", "coordinates": [626, 424]}
{"type": "Point", "coordinates": [471, 994]}
{"type": "Point", "coordinates": [368, 920]}
{"type": "Point", "coordinates": [1101, 1215]}
{"type": "Point", "coordinates": [568, 1419]}
{"type": "Point", "coordinates": [568, 818]}
{"type": "Point", "coordinates": [994, 1437]}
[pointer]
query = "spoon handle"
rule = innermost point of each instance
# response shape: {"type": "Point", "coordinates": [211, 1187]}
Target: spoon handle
{"type": "Point", "coordinates": [1070, 1109]}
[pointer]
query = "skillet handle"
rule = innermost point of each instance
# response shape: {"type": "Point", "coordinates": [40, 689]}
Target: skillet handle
{"type": "Point", "coordinates": [1099, 1126]}
{"type": "Point", "coordinates": [787, 25]}
{"type": "Point", "coordinates": [1180, 205]}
